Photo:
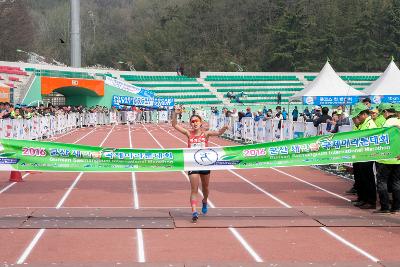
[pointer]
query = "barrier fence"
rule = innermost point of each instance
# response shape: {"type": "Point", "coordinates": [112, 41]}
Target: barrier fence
{"type": "Point", "coordinates": [43, 127]}
{"type": "Point", "coordinates": [270, 130]}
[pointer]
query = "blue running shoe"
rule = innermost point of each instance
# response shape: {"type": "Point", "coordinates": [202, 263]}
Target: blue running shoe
{"type": "Point", "coordinates": [195, 217]}
{"type": "Point", "coordinates": [204, 208]}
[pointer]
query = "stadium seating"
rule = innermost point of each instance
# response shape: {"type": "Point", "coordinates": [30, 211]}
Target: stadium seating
{"type": "Point", "coordinates": [250, 78]}
{"type": "Point", "coordinates": [156, 78]}
{"type": "Point", "coordinates": [57, 73]}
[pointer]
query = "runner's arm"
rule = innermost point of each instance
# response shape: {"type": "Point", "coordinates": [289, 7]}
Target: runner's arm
{"type": "Point", "coordinates": [175, 124]}
{"type": "Point", "coordinates": [217, 133]}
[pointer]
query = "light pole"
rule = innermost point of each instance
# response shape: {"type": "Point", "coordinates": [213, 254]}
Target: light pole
{"type": "Point", "coordinates": [237, 65]}
{"type": "Point", "coordinates": [131, 66]}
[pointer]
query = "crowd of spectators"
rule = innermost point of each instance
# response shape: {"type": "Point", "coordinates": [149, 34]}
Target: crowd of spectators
{"type": "Point", "coordinates": [10, 111]}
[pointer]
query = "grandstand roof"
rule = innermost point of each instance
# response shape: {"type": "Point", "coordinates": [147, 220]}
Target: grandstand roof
{"type": "Point", "coordinates": [327, 83]}
{"type": "Point", "coordinates": [387, 84]}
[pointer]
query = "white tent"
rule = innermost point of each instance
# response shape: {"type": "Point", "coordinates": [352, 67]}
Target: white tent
{"type": "Point", "coordinates": [387, 87]}
{"type": "Point", "coordinates": [325, 87]}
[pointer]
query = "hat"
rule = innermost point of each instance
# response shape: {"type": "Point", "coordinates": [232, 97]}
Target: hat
{"type": "Point", "coordinates": [260, 110]}
{"type": "Point", "coordinates": [387, 106]}
{"type": "Point", "coordinates": [357, 109]}
{"type": "Point", "coordinates": [317, 108]}
{"type": "Point", "coordinates": [339, 112]}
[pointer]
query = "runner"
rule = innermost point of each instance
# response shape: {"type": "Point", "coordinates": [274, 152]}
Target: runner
{"type": "Point", "coordinates": [197, 138]}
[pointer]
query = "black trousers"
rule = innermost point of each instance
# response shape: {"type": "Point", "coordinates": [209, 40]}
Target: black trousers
{"type": "Point", "coordinates": [364, 181]}
{"type": "Point", "coordinates": [388, 174]}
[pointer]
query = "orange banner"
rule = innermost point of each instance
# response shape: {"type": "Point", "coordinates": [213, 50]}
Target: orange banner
{"type": "Point", "coordinates": [4, 94]}
{"type": "Point", "coordinates": [49, 84]}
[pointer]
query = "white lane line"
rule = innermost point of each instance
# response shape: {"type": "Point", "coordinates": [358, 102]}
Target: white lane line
{"type": "Point", "coordinates": [347, 243]}
{"type": "Point", "coordinates": [313, 185]}
{"type": "Point", "coordinates": [244, 179]}
{"type": "Point", "coordinates": [61, 202]}
{"type": "Point", "coordinates": [245, 245]}
{"type": "Point", "coordinates": [235, 233]}
{"type": "Point", "coordinates": [12, 184]}
{"type": "Point", "coordinates": [262, 190]}
{"type": "Point", "coordinates": [134, 184]}
{"type": "Point", "coordinates": [305, 182]}
{"type": "Point", "coordinates": [28, 250]}
{"type": "Point", "coordinates": [104, 140]}
{"type": "Point", "coordinates": [341, 239]}
{"type": "Point", "coordinates": [26, 174]}
{"type": "Point", "coordinates": [84, 136]}
{"type": "Point", "coordinates": [140, 245]}
{"type": "Point", "coordinates": [56, 137]}
{"type": "Point", "coordinates": [7, 187]}
{"type": "Point", "coordinates": [139, 233]}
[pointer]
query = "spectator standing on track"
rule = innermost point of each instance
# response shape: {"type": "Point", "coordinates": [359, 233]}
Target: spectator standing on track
{"type": "Point", "coordinates": [197, 138]}
{"type": "Point", "coordinates": [388, 171]}
{"type": "Point", "coordinates": [363, 171]}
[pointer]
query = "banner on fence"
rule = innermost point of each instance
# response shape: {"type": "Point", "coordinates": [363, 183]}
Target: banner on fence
{"type": "Point", "coordinates": [368, 145]}
{"type": "Point", "coordinates": [153, 102]}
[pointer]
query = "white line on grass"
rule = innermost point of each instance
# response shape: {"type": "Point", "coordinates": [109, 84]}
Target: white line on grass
{"type": "Point", "coordinates": [235, 233]}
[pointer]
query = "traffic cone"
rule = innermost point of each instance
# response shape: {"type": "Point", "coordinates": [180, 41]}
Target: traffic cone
{"type": "Point", "coordinates": [15, 176]}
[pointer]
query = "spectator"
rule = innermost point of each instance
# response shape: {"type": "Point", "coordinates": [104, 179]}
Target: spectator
{"type": "Point", "coordinates": [284, 114]}
{"type": "Point", "coordinates": [279, 98]}
{"type": "Point", "coordinates": [323, 118]}
{"type": "Point", "coordinates": [295, 113]}
{"type": "Point", "coordinates": [248, 113]}
{"type": "Point", "coordinates": [367, 101]}
{"type": "Point", "coordinates": [259, 115]}
{"type": "Point", "coordinates": [306, 113]}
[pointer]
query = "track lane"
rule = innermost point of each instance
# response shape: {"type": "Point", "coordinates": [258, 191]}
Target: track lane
{"type": "Point", "coordinates": [177, 244]}
{"type": "Point", "coordinates": [40, 190]}
{"type": "Point", "coordinates": [316, 233]}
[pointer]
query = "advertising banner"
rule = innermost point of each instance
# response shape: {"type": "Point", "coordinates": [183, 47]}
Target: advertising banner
{"type": "Point", "coordinates": [128, 87]}
{"type": "Point", "coordinates": [153, 102]}
{"type": "Point", "coordinates": [330, 100]}
{"type": "Point", "coordinates": [367, 145]}
{"type": "Point", "coordinates": [377, 99]}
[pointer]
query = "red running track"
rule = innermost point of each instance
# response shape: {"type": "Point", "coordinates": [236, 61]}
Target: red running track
{"type": "Point", "coordinates": [296, 188]}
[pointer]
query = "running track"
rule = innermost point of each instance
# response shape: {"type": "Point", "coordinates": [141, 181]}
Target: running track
{"type": "Point", "coordinates": [312, 222]}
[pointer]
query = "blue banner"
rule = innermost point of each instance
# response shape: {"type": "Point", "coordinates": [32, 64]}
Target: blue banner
{"type": "Point", "coordinates": [152, 102]}
{"type": "Point", "coordinates": [330, 100]}
{"type": "Point", "coordinates": [377, 99]}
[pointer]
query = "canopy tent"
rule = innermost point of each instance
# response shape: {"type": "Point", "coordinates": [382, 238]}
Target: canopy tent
{"type": "Point", "coordinates": [386, 89]}
{"type": "Point", "coordinates": [327, 89]}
